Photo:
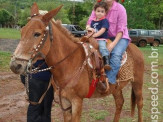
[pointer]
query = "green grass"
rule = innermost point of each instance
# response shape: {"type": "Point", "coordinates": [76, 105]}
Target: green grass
{"type": "Point", "coordinates": [4, 61]}
{"type": "Point", "coordinates": [7, 33]}
{"type": "Point", "coordinates": [147, 51]}
{"type": "Point", "coordinates": [98, 115]}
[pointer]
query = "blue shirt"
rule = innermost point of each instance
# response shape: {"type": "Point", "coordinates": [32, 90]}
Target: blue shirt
{"type": "Point", "coordinates": [45, 75]}
{"type": "Point", "coordinates": [97, 25]}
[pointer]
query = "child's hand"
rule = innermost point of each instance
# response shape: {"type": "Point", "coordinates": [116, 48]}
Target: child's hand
{"type": "Point", "coordinates": [90, 30]}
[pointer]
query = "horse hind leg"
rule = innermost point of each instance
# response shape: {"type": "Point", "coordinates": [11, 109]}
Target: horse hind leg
{"type": "Point", "coordinates": [137, 98]}
{"type": "Point", "coordinates": [119, 101]}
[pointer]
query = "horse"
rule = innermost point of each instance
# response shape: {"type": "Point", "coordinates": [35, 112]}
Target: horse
{"type": "Point", "coordinates": [43, 38]}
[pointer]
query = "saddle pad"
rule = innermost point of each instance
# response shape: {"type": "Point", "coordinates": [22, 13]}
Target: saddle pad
{"type": "Point", "coordinates": [126, 71]}
{"type": "Point", "coordinates": [124, 58]}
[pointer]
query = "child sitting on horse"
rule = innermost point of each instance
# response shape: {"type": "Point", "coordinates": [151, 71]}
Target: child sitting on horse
{"type": "Point", "coordinates": [99, 26]}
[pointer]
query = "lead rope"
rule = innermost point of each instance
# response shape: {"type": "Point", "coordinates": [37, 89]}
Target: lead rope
{"type": "Point", "coordinates": [27, 85]}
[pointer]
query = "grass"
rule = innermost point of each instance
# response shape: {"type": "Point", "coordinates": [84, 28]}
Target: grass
{"type": "Point", "coordinates": [98, 115]}
{"type": "Point", "coordinates": [8, 33]}
{"type": "Point", "coordinates": [4, 60]}
{"type": "Point", "coordinates": [157, 54]}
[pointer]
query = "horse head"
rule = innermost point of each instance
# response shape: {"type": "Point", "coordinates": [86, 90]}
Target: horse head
{"type": "Point", "coordinates": [35, 40]}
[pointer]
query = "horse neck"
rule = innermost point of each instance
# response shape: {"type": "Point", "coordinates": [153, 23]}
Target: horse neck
{"type": "Point", "coordinates": [63, 47]}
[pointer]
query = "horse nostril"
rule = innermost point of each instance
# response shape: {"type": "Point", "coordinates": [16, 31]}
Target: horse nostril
{"type": "Point", "coordinates": [18, 66]}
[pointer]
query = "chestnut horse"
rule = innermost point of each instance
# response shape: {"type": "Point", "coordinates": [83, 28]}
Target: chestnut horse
{"type": "Point", "coordinates": [43, 38]}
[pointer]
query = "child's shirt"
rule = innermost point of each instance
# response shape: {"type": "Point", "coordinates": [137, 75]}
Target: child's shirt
{"type": "Point", "coordinates": [97, 25]}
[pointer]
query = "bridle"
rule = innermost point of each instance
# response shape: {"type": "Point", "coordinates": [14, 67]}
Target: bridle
{"type": "Point", "coordinates": [37, 50]}
{"type": "Point", "coordinates": [36, 53]}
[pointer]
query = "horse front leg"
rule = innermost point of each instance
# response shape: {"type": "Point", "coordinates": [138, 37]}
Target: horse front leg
{"type": "Point", "coordinates": [67, 114]}
{"type": "Point", "coordinates": [76, 109]}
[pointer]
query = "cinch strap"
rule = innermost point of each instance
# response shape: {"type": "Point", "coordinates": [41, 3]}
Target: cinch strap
{"type": "Point", "coordinates": [92, 88]}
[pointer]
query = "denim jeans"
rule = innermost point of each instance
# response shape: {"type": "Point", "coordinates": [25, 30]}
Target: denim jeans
{"type": "Point", "coordinates": [102, 48]}
{"type": "Point", "coordinates": [115, 59]}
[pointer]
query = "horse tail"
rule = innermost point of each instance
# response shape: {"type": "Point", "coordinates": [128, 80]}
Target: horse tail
{"type": "Point", "coordinates": [133, 102]}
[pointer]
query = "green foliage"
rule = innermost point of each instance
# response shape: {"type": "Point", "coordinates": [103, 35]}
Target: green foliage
{"type": "Point", "coordinates": [6, 18]}
{"type": "Point", "coordinates": [154, 11]}
{"type": "Point", "coordinates": [24, 14]}
{"type": "Point", "coordinates": [145, 14]}
{"type": "Point", "coordinates": [137, 16]}
{"type": "Point", "coordinates": [83, 22]}
{"type": "Point", "coordinates": [76, 13]}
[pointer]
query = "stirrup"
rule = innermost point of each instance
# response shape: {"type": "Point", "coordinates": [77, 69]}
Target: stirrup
{"type": "Point", "coordinates": [103, 86]}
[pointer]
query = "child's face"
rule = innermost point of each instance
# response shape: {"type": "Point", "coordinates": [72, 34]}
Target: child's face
{"type": "Point", "coordinates": [100, 12]}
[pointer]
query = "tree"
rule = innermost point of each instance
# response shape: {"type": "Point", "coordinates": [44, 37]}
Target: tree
{"type": "Point", "coordinates": [76, 13]}
{"type": "Point", "coordinates": [137, 17]}
{"type": "Point", "coordinates": [24, 14]}
{"type": "Point", "coordinates": [154, 10]}
{"type": "Point", "coordinates": [6, 19]}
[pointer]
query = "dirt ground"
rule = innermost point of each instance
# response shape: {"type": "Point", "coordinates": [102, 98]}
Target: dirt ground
{"type": "Point", "coordinates": [12, 98]}
{"type": "Point", "coordinates": [13, 105]}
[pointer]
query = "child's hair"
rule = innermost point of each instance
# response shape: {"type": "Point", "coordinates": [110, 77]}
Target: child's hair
{"type": "Point", "coordinates": [102, 5]}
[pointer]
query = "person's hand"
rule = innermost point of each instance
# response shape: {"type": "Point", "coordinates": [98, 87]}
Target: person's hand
{"type": "Point", "coordinates": [90, 32]}
{"type": "Point", "coordinates": [111, 46]}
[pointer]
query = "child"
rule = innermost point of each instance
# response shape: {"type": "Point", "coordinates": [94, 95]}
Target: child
{"type": "Point", "coordinates": [100, 26]}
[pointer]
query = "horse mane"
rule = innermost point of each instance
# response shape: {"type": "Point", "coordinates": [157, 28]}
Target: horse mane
{"type": "Point", "coordinates": [67, 33]}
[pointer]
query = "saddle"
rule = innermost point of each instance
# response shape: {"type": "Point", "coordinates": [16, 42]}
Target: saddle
{"type": "Point", "coordinates": [96, 64]}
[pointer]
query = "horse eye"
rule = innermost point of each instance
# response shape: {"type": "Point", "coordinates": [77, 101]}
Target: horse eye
{"type": "Point", "coordinates": [37, 34]}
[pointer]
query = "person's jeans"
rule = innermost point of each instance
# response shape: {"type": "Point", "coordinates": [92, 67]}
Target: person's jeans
{"type": "Point", "coordinates": [115, 59]}
{"type": "Point", "coordinates": [102, 48]}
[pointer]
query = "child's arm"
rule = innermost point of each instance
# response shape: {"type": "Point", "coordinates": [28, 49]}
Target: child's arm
{"type": "Point", "coordinates": [100, 32]}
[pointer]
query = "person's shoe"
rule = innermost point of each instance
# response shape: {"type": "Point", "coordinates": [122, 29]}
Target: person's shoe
{"type": "Point", "coordinates": [103, 86]}
{"type": "Point", "coordinates": [106, 63]}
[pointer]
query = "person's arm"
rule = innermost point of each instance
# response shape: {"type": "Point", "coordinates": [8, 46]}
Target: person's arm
{"type": "Point", "coordinates": [121, 25]}
{"type": "Point", "coordinates": [105, 27]}
{"type": "Point", "coordinates": [92, 16]}
{"type": "Point", "coordinates": [116, 40]}
{"type": "Point", "coordinates": [99, 33]}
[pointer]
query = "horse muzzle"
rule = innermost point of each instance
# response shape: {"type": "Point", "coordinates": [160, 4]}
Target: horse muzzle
{"type": "Point", "coordinates": [18, 67]}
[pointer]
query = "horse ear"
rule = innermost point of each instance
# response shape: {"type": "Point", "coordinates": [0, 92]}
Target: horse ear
{"type": "Point", "coordinates": [47, 17]}
{"type": "Point", "coordinates": [34, 10]}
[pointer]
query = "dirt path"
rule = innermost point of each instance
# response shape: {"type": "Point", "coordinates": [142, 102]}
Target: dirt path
{"type": "Point", "coordinates": [12, 98]}
{"type": "Point", "coordinates": [13, 105]}
{"type": "Point", "coordinates": [8, 44]}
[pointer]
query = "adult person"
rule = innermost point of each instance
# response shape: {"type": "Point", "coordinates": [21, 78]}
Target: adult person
{"type": "Point", "coordinates": [38, 84]}
{"type": "Point", "coordinates": [118, 34]}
